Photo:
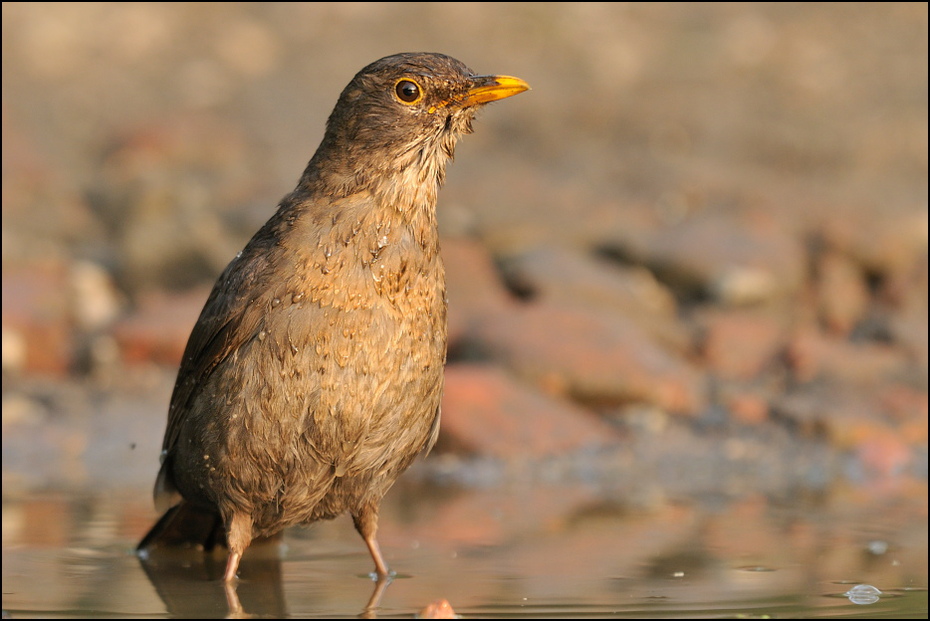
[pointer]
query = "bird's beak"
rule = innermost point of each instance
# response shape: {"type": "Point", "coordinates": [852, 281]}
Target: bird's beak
{"type": "Point", "coordinates": [485, 89]}
{"type": "Point", "coordinates": [493, 87]}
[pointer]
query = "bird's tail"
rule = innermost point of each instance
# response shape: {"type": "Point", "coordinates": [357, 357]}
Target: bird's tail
{"type": "Point", "coordinates": [185, 525]}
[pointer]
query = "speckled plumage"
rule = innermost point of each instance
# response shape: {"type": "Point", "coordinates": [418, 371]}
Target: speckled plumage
{"type": "Point", "coordinates": [313, 376]}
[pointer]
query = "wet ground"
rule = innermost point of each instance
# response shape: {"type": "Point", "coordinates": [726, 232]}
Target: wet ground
{"type": "Point", "coordinates": [688, 303]}
{"type": "Point", "coordinates": [576, 553]}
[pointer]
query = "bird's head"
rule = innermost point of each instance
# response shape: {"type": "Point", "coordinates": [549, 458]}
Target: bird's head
{"type": "Point", "coordinates": [401, 116]}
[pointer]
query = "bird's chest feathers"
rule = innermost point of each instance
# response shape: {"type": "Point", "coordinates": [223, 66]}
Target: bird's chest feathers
{"type": "Point", "coordinates": [374, 261]}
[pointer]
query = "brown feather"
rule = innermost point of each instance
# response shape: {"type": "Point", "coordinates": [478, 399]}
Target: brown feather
{"type": "Point", "coordinates": [313, 376]}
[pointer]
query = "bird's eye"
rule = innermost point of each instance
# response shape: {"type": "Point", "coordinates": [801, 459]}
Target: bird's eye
{"type": "Point", "coordinates": [408, 91]}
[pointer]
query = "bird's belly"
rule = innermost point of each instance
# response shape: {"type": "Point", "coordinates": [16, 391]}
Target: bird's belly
{"type": "Point", "coordinates": [306, 425]}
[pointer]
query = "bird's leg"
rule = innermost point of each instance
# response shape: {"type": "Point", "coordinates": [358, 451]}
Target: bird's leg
{"type": "Point", "coordinates": [366, 523]}
{"type": "Point", "coordinates": [232, 566]}
{"type": "Point", "coordinates": [238, 538]}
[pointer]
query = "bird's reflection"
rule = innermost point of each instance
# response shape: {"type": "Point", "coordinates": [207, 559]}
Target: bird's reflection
{"type": "Point", "coordinates": [190, 583]}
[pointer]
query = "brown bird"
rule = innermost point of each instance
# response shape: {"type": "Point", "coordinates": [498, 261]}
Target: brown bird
{"type": "Point", "coordinates": [313, 376]}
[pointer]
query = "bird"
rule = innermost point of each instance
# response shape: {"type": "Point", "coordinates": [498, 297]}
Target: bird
{"type": "Point", "coordinates": [313, 376]}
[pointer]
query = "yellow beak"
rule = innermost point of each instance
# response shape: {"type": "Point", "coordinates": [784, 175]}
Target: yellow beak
{"type": "Point", "coordinates": [493, 87]}
{"type": "Point", "coordinates": [486, 88]}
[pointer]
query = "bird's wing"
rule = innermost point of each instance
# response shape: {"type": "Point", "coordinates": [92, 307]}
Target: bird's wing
{"type": "Point", "coordinates": [232, 315]}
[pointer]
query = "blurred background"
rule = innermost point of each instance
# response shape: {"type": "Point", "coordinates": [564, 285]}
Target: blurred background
{"type": "Point", "coordinates": [688, 267]}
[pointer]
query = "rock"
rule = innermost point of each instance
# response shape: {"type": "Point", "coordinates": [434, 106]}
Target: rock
{"type": "Point", "coordinates": [812, 355]}
{"type": "Point", "coordinates": [908, 326]}
{"type": "Point", "coordinates": [746, 406]}
{"type": "Point", "coordinates": [568, 276]}
{"type": "Point", "coordinates": [485, 412]}
{"type": "Point", "coordinates": [590, 356]}
{"type": "Point", "coordinates": [473, 285]}
{"type": "Point", "coordinates": [96, 302]}
{"type": "Point", "coordinates": [862, 421]}
{"type": "Point", "coordinates": [37, 319]}
{"type": "Point", "coordinates": [885, 242]}
{"type": "Point", "coordinates": [439, 609]}
{"type": "Point", "coordinates": [732, 261]}
{"type": "Point", "coordinates": [739, 343]}
{"type": "Point", "coordinates": [882, 452]}
{"type": "Point", "coordinates": [158, 330]}
{"type": "Point", "coordinates": [842, 293]}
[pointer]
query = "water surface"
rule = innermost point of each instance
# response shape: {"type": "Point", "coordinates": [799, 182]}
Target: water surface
{"type": "Point", "coordinates": [517, 551]}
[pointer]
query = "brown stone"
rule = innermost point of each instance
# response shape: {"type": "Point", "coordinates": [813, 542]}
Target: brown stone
{"type": "Point", "coordinates": [439, 609]}
{"type": "Point", "coordinates": [882, 452]}
{"type": "Point", "coordinates": [843, 296]}
{"type": "Point", "coordinates": [158, 330]}
{"type": "Point", "coordinates": [858, 419]}
{"type": "Point", "coordinates": [747, 407]}
{"type": "Point", "coordinates": [473, 285]}
{"type": "Point", "coordinates": [812, 355]}
{"type": "Point", "coordinates": [570, 276]}
{"type": "Point", "coordinates": [885, 241]}
{"type": "Point", "coordinates": [734, 261]}
{"type": "Point", "coordinates": [486, 412]}
{"type": "Point", "coordinates": [591, 356]}
{"type": "Point", "coordinates": [37, 319]}
{"type": "Point", "coordinates": [740, 344]}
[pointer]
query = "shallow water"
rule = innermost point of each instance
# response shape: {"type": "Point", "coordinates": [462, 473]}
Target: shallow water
{"type": "Point", "coordinates": [540, 551]}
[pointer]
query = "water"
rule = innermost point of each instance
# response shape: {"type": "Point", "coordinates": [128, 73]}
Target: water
{"type": "Point", "coordinates": [517, 551]}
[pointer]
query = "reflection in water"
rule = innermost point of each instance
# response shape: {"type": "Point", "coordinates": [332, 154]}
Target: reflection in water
{"type": "Point", "coordinates": [190, 583]}
{"type": "Point", "coordinates": [519, 551]}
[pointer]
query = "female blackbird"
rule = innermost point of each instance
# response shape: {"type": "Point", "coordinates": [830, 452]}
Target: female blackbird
{"type": "Point", "coordinates": [313, 376]}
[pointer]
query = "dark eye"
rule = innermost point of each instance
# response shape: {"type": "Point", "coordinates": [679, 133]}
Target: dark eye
{"type": "Point", "coordinates": [408, 91]}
